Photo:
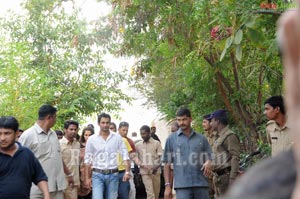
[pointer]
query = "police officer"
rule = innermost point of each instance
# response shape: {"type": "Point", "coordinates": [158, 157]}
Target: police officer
{"type": "Point", "coordinates": [210, 135]}
{"type": "Point", "coordinates": [211, 138]}
{"type": "Point", "coordinates": [278, 131]}
{"type": "Point", "coordinates": [226, 150]}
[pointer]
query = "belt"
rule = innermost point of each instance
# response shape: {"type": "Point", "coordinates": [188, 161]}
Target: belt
{"type": "Point", "coordinates": [223, 171]}
{"type": "Point", "coordinates": [105, 171]}
{"type": "Point", "coordinates": [120, 171]}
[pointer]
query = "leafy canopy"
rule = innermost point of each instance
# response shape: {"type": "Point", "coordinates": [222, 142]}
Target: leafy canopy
{"type": "Point", "coordinates": [51, 56]}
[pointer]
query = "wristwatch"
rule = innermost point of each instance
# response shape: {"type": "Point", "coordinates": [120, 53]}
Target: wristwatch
{"type": "Point", "coordinates": [167, 184]}
{"type": "Point", "coordinates": [127, 173]}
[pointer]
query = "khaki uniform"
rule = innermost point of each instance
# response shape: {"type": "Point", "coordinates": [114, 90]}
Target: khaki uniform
{"type": "Point", "coordinates": [70, 154]}
{"type": "Point", "coordinates": [226, 161]}
{"type": "Point", "coordinates": [279, 138]}
{"type": "Point", "coordinates": [211, 138]}
{"type": "Point", "coordinates": [149, 153]}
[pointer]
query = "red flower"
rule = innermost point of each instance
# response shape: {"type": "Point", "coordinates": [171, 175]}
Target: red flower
{"type": "Point", "coordinates": [272, 6]}
{"type": "Point", "coordinates": [214, 33]}
{"type": "Point", "coordinates": [263, 5]}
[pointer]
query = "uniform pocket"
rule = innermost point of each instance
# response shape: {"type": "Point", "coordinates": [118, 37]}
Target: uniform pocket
{"type": "Point", "coordinates": [43, 149]}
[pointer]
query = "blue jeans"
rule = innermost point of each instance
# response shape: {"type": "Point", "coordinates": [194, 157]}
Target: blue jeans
{"type": "Point", "coordinates": [105, 186]}
{"type": "Point", "coordinates": [124, 187]}
{"type": "Point", "coordinates": [192, 193]}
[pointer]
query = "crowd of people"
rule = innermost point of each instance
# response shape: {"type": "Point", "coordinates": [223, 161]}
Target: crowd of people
{"type": "Point", "coordinates": [61, 164]}
{"type": "Point", "coordinates": [98, 165]}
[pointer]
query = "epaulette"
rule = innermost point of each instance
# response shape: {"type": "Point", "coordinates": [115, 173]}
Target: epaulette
{"type": "Point", "coordinates": [271, 125]}
{"type": "Point", "coordinates": [271, 122]}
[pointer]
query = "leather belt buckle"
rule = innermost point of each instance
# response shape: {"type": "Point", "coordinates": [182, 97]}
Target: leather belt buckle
{"type": "Point", "coordinates": [105, 172]}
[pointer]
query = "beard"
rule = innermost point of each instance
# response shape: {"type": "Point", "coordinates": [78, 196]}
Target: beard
{"type": "Point", "coordinates": [8, 147]}
{"type": "Point", "coordinates": [105, 129]}
{"type": "Point", "coordinates": [146, 139]}
{"type": "Point", "coordinates": [183, 127]}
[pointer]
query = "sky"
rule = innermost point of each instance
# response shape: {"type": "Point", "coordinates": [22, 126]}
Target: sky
{"type": "Point", "coordinates": [136, 114]}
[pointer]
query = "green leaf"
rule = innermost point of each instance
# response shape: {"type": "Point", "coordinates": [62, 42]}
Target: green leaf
{"type": "Point", "coordinates": [251, 22]}
{"type": "Point", "coordinates": [238, 52]}
{"type": "Point", "coordinates": [213, 21]}
{"type": "Point", "coordinates": [256, 37]}
{"type": "Point", "coordinates": [238, 37]}
{"type": "Point", "coordinates": [229, 41]}
{"type": "Point", "coordinates": [223, 54]}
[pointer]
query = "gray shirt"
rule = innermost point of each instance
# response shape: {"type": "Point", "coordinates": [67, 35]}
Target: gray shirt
{"type": "Point", "coordinates": [46, 149]}
{"type": "Point", "coordinates": [188, 154]}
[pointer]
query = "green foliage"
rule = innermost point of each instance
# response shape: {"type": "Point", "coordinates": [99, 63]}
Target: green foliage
{"type": "Point", "coordinates": [49, 56]}
{"type": "Point", "coordinates": [204, 54]}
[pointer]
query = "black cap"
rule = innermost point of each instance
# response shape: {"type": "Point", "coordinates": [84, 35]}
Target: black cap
{"type": "Point", "coordinates": [218, 114]}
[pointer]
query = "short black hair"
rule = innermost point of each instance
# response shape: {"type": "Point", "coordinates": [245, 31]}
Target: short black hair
{"type": "Point", "coordinates": [276, 101]}
{"type": "Point", "coordinates": [123, 124]}
{"type": "Point", "coordinates": [9, 122]}
{"type": "Point", "coordinates": [145, 128]}
{"type": "Point", "coordinates": [183, 111]}
{"type": "Point", "coordinates": [105, 115]}
{"type": "Point", "coordinates": [91, 125]}
{"type": "Point", "coordinates": [46, 110]}
{"type": "Point", "coordinates": [70, 122]}
{"type": "Point", "coordinates": [207, 117]}
{"type": "Point", "coordinates": [59, 132]}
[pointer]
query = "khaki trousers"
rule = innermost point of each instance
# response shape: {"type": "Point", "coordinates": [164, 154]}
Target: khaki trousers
{"type": "Point", "coordinates": [71, 193]}
{"type": "Point", "coordinates": [221, 184]}
{"type": "Point", "coordinates": [152, 185]}
{"type": "Point", "coordinates": [211, 187]}
{"type": "Point", "coordinates": [53, 195]}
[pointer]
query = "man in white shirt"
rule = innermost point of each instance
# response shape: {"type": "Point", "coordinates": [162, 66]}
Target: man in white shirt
{"type": "Point", "coordinates": [102, 156]}
{"type": "Point", "coordinates": [43, 142]}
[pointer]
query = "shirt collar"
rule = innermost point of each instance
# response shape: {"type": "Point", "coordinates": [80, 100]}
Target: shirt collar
{"type": "Point", "coordinates": [285, 126]}
{"type": "Point", "coordinates": [224, 130]}
{"type": "Point", "coordinates": [149, 141]}
{"type": "Point", "coordinates": [109, 136]}
{"type": "Point", "coordinates": [180, 132]}
{"type": "Point", "coordinates": [66, 141]}
{"type": "Point", "coordinates": [209, 134]}
{"type": "Point", "coordinates": [40, 130]}
{"type": "Point", "coordinates": [20, 148]}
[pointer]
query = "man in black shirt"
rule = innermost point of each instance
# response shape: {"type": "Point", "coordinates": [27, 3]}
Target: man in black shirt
{"type": "Point", "coordinates": [153, 135]}
{"type": "Point", "coordinates": [18, 165]}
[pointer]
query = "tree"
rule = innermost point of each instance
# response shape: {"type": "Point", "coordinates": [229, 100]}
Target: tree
{"type": "Point", "coordinates": [205, 54]}
{"type": "Point", "coordinates": [49, 56]}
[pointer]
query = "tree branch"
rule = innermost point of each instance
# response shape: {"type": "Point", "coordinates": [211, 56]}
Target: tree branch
{"type": "Point", "coordinates": [235, 73]}
{"type": "Point", "coordinates": [269, 12]}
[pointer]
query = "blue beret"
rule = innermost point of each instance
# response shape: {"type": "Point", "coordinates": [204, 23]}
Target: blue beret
{"type": "Point", "coordinates": [218, 114]}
